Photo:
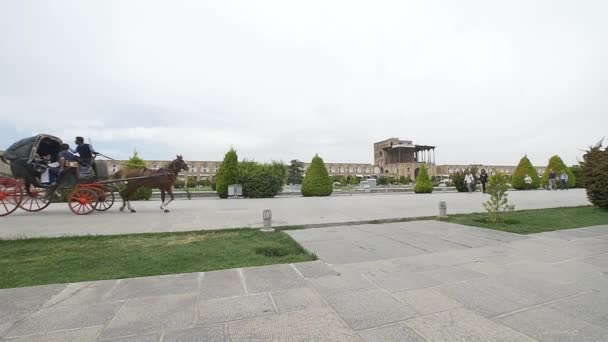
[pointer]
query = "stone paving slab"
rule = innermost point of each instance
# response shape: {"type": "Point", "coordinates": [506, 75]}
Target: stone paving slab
{"type": "Point", "coordinates": [213, 333]}
{"type": "Point", "coordinates": [77, 335]}
{"type": "Point", "coordinates": [548, 325]}
{"type": "Point", "coordinates": [16, 304]}
{"type": "Point", "coordinates": [315, 324]}
{"type": "Point", "coordinates": [272, 278]}
{"type": "Point", "coordinates": [232, 309]}
{"type": "Point", "coordinates": [427, 301]}
{"type": "Point", "coordinates": [315, 269]}
{"type": "Point", "coordinates": [295, 300]}
{"type": "Point", "coordinates": [221, 284]}
{"type": "Point", "coordinates": [155, 314]}
{"type": "Point", "coordinates": [368, 308]}
{"type": "Point", "coordinates": [56, 220]}
{"type": "Point", "coordinates": [139, 338]}
{"type": "Point", "coordinates": [155, 286]}
{"type": "Point", "coordinates": [399, 332]}
{"type": "Point", "coordinates": [64, 318]}
{"type": "Point", "coordinates": [341, 283]}
{"type": "Point", "coordinates": [464, 325]}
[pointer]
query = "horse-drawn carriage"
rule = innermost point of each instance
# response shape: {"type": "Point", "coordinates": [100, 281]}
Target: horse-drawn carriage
{"type": "Point", "coordinates": [78, 183]}
{"type": "Point", "coordinates": [84, 187]}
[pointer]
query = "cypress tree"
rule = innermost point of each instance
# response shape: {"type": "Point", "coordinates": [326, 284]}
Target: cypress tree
{"type": "Point", "coordinates": [558, 166]}
{"type": "Point", "coordinates": [227, 174]}
{"type": "Point", "coordinates": [595, 170]}
{"type": "Point", "coordinates": [317, 181]}
{"type": "Point", "coordinates": [524, 168]}
{"type": "Point", "coordinates": [423, 182]}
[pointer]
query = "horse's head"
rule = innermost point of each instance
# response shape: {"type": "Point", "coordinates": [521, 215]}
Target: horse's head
{"type": "Point", "coordinates": [180, 163]}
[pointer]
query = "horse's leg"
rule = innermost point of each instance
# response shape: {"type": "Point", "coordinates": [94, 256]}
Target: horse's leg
{"type": "Point", "coordinates": [162, 198]}
{"type": "Point", "coordinates": [123, 196]}
{"type": "Point", "coordinates": [130, 191]}
{"type": "Point", "coordinates": [170, 191]}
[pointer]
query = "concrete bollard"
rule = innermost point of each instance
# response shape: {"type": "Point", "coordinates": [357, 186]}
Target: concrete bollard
{"type": "Point", "coordinates": [443, 209]}
{"type": "Point", "coordinates": [267, 216]}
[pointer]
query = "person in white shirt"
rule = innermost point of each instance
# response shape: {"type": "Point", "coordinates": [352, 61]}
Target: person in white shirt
{"type": "Point", "coordinates": [469, 180]}
{"type": "Point", "coordinates": [528, 181]}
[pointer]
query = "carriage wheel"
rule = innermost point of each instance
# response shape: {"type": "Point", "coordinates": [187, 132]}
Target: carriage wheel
{"type": "Point", "coordinates": [36, 200]}
{"type": "Point", "coordinates": [105, 201]}
{"type": "Point", "coordinates": [10, 195]}
{"type": "Point", "coordinates": [82, 201]}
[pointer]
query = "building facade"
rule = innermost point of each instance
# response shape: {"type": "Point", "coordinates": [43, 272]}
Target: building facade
{"type": "Point", "coordinates": [396, 158]}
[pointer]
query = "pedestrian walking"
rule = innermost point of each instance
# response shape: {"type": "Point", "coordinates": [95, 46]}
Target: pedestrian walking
{"type": "Point", "coordinates": [528, 181]}
{"type": "Point", "coordinates": [469, 180]}
{"type": "Point", "coordinates": [564, 178]}
{"type": "Point", "coordinates": [552, 180]}
{"type": "Point", "coordinates": [483, 178]}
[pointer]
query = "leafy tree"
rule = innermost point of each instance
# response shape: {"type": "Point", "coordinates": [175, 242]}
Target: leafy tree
{"type": "Point", "coordinates": [498, 203]}
{"type": "Point", "coordinates": [317, 181]}
{"type": "Point", "coordinates": [179, 184]}
{"type": "Point", "coordinates": [558, 166]}
{"type": "Point", "coordinates": [423, 182]}
{"type": "Point", "coordinates": [136, 162]}
{"type": "Point", "coordinates": [524, 168]}
{"type": "Point", "coordinates": [403, 180]}
{"type": "Point", "coordinates": [192, 182]}
{"type": "Point", "coordinates": [354, 181]}
{"type": "Point", "coordinates": [579, 179]}
{"type": "Point", "coordinates": [228, 173]}
{"type": "Point", "coordinates": [260, 180]}
{"type": "Point", "coordinates": [595, 173]}
{"type": "Point", "coordinates": [343, 180]}
{"type": "Point", "coordinates": [280, 170]}
{"type": "Point", "coordinates": [295, 172]}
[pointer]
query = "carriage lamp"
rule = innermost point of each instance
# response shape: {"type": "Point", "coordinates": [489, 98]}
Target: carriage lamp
{"type": "Point", "coordinates": [443, 209]}
{"type": "Point", "coordinates": [267, 216]}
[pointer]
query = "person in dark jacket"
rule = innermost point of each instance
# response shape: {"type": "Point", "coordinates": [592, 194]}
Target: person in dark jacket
{"type": "Point", "coordinates": [483, 178]}
{"type": "Point", "coordinates": [552, 180]}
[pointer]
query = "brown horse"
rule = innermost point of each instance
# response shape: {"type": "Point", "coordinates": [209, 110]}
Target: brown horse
{"type": "Point", "coordinates": [163, 179]}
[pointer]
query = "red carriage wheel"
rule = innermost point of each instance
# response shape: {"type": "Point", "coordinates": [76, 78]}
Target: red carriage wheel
{"type": "Point", "coordinates": [36, 200]}
{"type": "Point", "coordinates": [10, 195]}
{"type": "Point", "coordinates": [82, 201]}
{"type": "Point", "coordinates": [105, 200]}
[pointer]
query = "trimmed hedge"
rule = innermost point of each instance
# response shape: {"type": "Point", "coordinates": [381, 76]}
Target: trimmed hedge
{"type": "Point", "coordinates": [558, 166]}
{"type": "Point", "coordinates": [228, 173]}
{"type": "Point", "coordinates": [524, 168]}
{"type": "Point", "coordinates": [260, 180]}
{"type": "Point", "coordinates": [595, 171]}
{"type": "Point", "coordinates": [317, 181]}
{"type": "Point", "coordinates": [423, 182]}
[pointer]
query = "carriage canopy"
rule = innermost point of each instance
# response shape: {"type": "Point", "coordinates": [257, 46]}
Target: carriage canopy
{"type": "Point", "coordinates": [27, 149]}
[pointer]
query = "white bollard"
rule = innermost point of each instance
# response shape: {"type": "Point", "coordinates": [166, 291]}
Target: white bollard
{"type": "Point", "coordinates": [267, 216]}
{"type": "Point", "coordinates": [443, 209]}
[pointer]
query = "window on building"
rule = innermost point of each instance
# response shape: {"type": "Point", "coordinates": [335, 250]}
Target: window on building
{"type": "Point", "coordinates": [193, 169]}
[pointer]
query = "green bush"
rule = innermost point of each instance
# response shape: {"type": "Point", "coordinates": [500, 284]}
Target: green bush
{"type": "Point", "coordinates": [281, 170]}
{"type": "Point", "coordinates": [458, 178]}
{"type": "Point", "coordinates": [295, 172]}
{"type": "Point", "coordinates": [423, 182]}
{"type": "Point", "coordinates": [317, 181]}
{"type": "Point", "coordinates": [558, 166]}
{"type": "Point", "coordinates": [204, 182]}
{"type": "Point", "coordinates": [354, 181]}
{"type": "Point", "coordinates": [524, 168]}
{"type": "Point", "coordinates": [579, 179]}
{"type": "Point", "coordinates": [260, 180]}
{"type": "Point", "coordinates": [405, 180]}
{"type": "Point", "coordinates": [179, 184]}
{"type": "Point", "coordinates": [343, 180]}
{"type": "Point", "coordinates": [595, 172]}
{"type": "Point", "coordinates": [228, 173]}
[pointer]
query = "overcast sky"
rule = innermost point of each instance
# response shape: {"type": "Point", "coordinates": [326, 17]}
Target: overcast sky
{"type": "Point", "coordinates": [484, 81]}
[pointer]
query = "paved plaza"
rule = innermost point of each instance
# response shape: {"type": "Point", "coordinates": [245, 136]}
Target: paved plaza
{"type": "Point", "coordinates": [213, 213]}
{"type": "Point", "coordinates": [411, 281]}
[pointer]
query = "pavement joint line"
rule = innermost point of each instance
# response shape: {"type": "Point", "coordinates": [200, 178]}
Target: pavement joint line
{"type": "Point", "coordinates": [507, 314]}
{"type": "Point", "coordinates": [297, 271]}
{"type": "Point", "coordinates": [390, 294]}
{"type": "Point", "coordinates": [122, 305]}
{"type": "Point", "coordinates": [276, 309]}
{"type": "Point", "coordinates": [52, 331]}
{"type": "Point", "coordinates": [107, 294]}
{"type": "Point", "coordinates": [401, 322]}
{"type": "Point", "coordinates": [314, 289]}
{"type": "Point", "coordinates": [242, 278]}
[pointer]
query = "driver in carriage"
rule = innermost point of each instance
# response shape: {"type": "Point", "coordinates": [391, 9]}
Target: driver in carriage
{"type": "Point", "coordinates": [86, 153]}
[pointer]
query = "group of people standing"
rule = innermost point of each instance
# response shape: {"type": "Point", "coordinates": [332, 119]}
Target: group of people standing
{"type": "Point", "coordinates": [469, 180]}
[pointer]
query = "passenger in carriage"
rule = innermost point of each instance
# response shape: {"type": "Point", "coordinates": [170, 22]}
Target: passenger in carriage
{"type": "Point", "coordinates": [66, 155]}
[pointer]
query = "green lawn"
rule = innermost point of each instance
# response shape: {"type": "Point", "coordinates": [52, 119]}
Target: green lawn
{"type": "Point", "coordinates": [30, 262]}
{"type": "Point", "coordinates": [537, 221]}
